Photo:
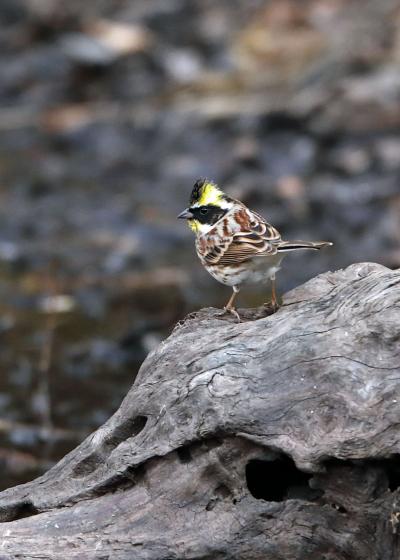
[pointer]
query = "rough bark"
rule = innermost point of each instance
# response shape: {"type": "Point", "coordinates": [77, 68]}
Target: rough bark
{"type": "Point", "coordinates": [276, 438]}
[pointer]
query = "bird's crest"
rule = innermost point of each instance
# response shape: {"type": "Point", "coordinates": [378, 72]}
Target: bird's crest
{"type": "Point", "coordinates": [205, 192]}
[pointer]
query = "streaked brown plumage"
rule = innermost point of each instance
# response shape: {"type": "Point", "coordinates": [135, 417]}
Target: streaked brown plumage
{"type": "Point", "coordinates": [236, 245]}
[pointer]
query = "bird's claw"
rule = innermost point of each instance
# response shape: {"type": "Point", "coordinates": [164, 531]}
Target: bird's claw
{"type": "Point", "coordinates": [232, 311]}
{"type": "Point", "coordinates": [273, 305]}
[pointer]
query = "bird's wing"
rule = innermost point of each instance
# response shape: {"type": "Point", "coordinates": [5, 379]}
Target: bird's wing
{"type": "Point", "coordinates": [257, 238]}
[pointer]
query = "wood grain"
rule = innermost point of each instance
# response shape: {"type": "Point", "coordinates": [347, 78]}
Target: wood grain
{"type": "Point", "coordinates": [276, 438]}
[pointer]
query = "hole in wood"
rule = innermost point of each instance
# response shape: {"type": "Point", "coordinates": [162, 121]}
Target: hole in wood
{"type": "Point", "coordinates": [128, 429]}
{"type": "Point", "coordinates": [339, 508]}
{"type": "Point", "coordinates": [88, 465]}
{"type": "Point", "coordinates": [19, 511]}
{"type": "Point", "coordinates": [184, 454]}
{"type": "Point", "coordinates": [392, 467]}
{"type": "Point", "coordinates": [278, 480]}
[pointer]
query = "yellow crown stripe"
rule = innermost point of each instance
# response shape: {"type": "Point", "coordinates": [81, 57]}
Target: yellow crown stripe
{"type": "Point", "coordinates": [210, 194]}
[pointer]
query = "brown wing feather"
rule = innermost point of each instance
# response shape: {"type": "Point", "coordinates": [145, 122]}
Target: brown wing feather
{"type": "Point", "coordinates": [257, 238]}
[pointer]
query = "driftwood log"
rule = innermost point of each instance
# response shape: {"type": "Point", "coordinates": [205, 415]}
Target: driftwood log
{"type": "Point", "coordinates": [276, 438]}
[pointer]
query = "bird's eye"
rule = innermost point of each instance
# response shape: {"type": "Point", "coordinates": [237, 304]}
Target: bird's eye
{"type": "Point", "coordinates": [203, 211]}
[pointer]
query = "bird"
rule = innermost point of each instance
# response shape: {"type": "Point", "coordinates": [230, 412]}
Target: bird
{"type": "Point", "coordinates": [236, 245]}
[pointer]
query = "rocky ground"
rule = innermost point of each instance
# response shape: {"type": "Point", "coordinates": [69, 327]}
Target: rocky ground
{"type": "Point", "coordinates": [109, 112]}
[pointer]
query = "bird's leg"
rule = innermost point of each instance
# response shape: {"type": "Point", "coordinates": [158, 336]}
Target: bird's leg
{"type": "Point", "coordinates": [229, 305]}
{"type": "Point", "coordinates": [229, 308]}
{"type": "Point", "coordinates": [274, 303]}
{"type": "Point", "coordinates": [274, 299]}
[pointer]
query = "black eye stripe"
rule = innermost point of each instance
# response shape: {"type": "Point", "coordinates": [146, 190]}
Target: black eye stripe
{"type": "Point", "coordinates": [208, 214]}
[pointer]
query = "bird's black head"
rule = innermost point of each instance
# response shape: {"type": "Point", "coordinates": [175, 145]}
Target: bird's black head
{"type": "Point", "coordinates": [208, 204]}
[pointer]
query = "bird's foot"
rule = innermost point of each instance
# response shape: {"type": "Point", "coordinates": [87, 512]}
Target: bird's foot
{"type": "Point", "coordinates": [272, 305]}
{"type": "Point", "coordinates": [232, 311]}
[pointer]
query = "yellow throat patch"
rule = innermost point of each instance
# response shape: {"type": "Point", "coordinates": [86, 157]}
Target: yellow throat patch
{"type": "Point", "coordinates": [194, 225]}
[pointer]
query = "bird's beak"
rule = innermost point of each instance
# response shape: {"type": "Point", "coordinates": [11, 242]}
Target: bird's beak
{"type": "Point", "coordinates": [186, 215]}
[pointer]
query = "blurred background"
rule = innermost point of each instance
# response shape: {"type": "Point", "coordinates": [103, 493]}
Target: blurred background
{"type": "Point", "coordinates": [110, 110]}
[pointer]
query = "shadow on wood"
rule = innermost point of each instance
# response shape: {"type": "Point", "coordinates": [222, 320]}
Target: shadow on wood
{"type": "Point", "coordinates": [276, 438]}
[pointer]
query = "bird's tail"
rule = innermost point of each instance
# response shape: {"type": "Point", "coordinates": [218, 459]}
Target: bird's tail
{"type": "Point", "coordinates": [295, 245]}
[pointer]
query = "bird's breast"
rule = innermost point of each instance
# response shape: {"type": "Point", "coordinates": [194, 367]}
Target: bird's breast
{"type": "Point", "coordinates": [254, 271]}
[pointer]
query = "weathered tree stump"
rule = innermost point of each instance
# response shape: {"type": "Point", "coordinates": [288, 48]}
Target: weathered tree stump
{"type": "Point", "coordinates": [276, 438]}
